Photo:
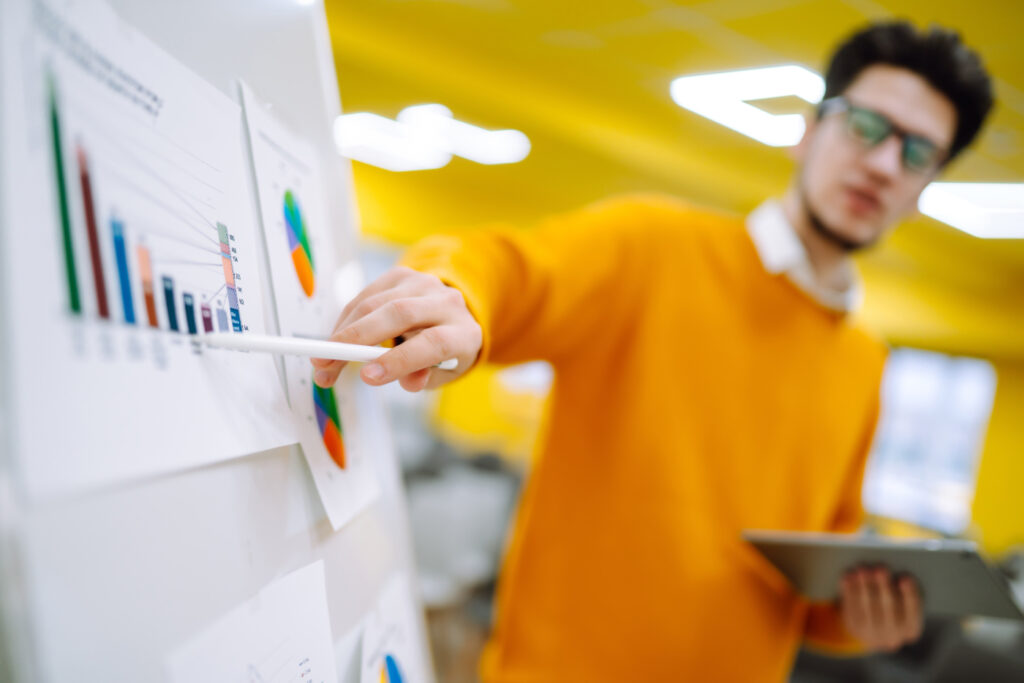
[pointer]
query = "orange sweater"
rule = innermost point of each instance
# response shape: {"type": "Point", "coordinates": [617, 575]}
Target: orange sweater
{"type": "Point", "coordinates": [695, 395]}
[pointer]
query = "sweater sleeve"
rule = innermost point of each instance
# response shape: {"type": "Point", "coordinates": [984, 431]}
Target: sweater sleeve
{"type": "Point", "coordinates": [573, 280]}
{"type": "Point", "coordinates": [824, 628]}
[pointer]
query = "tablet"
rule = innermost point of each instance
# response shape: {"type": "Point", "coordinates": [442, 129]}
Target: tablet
{"type": "Point", "coordinates": [953, 577]}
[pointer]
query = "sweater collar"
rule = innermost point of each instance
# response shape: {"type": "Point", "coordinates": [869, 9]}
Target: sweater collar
{"type": "Point", "coordinates": [782, 252]}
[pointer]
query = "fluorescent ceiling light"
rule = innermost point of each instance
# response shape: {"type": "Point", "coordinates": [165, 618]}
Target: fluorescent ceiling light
{"type": "Point", "coordinates": [987, 210]}
{"type": "Point", "coordinates": [436, 122]}
{"type": "Point", "coordinates": [424, 137]}
{"type": "Point", "coordinates": [387, 144]}
{"type": "Point", "coordinates": [723, 98]}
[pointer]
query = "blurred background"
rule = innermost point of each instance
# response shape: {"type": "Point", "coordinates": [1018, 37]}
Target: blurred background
{"type": "Point", "coordinates": [581, 95]}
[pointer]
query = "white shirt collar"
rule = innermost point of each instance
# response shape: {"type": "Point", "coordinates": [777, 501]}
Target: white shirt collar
{"type": "Point", "coordinates": [782, 252]}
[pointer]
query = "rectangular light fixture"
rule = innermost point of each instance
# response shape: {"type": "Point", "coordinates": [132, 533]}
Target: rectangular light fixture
{"type": "Point", "coordinates": [382, 142]}
{"type": "Point", "coordinates": [724, 98]}
{"type": "Point", "coordinates": [436, 122]}
{"type": "Point", "coordinates": [424, 137]}
{"type": "Point", "coordinates": [986, 210]}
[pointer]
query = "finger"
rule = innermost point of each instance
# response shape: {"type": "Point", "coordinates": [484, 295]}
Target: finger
{"type": "Point", "coordinates": [330, 369]}
{"type": "Point", "coordinates": [888, 631]}
{"type": "Point", "coordinates": [913, 616]}
{"type": "Point", "coordinates": [868, 604]}
{"type": "Point", "coordinates": [375, 302]}
{"type": "Point", "coordinates": [394, 319]}
{"type": "Point", "coordinates": [388, 280]}
{"type": "Point", "coordinates": [327, 370]}
{"type": "Point", "coordinates": [430, 347]}
{"type": "Point", "coordinates": [416, 381]}
{"type": "Point", "coordinates": [853, 614]}
{"type": "Point", "coordinates": [365, 307]}
{"type": "Point", "coordinates": [326, 377]}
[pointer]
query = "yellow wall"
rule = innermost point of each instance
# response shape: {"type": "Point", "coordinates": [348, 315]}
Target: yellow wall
{"type": "Point", "coordinates": [999, 498]}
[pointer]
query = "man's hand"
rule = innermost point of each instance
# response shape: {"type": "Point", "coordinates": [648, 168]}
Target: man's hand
{"type": "Point", "coordinates": [431, 316]}
{"type": "Point", "coordinates": [883, 613]}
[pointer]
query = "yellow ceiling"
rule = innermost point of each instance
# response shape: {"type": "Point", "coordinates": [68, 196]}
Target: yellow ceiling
{"type": "Point", "coordinates": [588, 83]}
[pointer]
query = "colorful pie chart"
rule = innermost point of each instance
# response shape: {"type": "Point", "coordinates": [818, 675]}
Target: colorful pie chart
{"type": "Point", "coordinates": [389, 672]}
{"type": "Point", "coordinates": [298, 242]}
{"type": "Point", "coordinates": [329, 423]}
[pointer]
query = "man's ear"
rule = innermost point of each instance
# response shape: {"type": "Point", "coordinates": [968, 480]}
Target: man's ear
{"type": "Point", "coordinates": [798, 151]}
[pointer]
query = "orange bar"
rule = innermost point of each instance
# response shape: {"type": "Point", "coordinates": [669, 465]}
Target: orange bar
{"type": "Point", "coordinates": [146, 271]}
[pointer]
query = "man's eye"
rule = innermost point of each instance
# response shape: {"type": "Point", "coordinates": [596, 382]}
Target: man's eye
{"type": "Point", "coordinates": [920, 154]}
{"type": "Point", "coordinates": [867, 127]}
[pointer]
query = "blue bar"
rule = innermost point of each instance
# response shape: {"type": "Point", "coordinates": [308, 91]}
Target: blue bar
{"type": "Point", "coordinates": [172, 313]}
{"type": "Point", "coordinates": [236, 318]}
{"type": "Point", "coordinates": [122, 270]}
{"type": "Point", "coordinates": [222, 320]}
{"type": "Point", "coordinates": [190, 313]}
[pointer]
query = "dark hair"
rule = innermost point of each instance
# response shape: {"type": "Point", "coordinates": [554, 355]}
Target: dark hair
{"type": "Point", "coordinates": [937, 55]}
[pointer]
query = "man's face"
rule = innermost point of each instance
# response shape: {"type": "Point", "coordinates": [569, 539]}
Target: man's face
{"type": "Point", "coordinates": [859, 191]}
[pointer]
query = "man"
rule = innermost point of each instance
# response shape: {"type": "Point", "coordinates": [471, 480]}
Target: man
{"type": "Point", "coordinates": [708, 379]}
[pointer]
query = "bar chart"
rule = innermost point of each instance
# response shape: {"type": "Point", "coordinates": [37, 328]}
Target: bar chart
{"type": "Point", "coordinates": [134, 223]}
{"type": "Point", "coordinates": [129, 255]}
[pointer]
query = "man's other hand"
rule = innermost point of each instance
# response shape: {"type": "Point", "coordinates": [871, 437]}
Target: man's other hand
{"type": "Point", "coordinates": [882, 611]}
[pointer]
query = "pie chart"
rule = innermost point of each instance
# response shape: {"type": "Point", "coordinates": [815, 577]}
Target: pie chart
{"type": "Point", "coordinates": [298, 242]}
{"type": "Point", "coordinates": [389, 672]}
{"type": "Point", "coordinates": [329, 423]}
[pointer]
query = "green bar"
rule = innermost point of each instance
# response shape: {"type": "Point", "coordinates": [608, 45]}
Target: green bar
{"type": "Point", "coordinates": [74, 301]}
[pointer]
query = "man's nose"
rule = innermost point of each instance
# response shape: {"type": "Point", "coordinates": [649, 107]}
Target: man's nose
{"type": "Point", "coordinates": [885, 160]}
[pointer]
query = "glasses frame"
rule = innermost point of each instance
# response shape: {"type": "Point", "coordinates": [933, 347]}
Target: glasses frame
{"type": "Point", "coordinates": [840, 104]}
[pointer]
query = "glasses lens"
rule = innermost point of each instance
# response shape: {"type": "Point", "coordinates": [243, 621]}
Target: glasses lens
{"type": "Point", "coordinates": [919, 154]}
{"type": "Point", "coordinates": [867, 126]}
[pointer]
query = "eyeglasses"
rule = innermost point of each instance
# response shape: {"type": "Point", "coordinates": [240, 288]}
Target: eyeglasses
{"type": "Point", "coordinates": [870, 128]}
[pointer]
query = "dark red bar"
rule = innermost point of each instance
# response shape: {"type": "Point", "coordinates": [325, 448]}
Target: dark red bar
{"type": "Point", "coordinates": [94, 238]}
{"type": "Point", "coordinates": [207, 318]}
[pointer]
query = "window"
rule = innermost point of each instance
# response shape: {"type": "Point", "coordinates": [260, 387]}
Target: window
{"type": "Point", "coordinates": [923, 466]}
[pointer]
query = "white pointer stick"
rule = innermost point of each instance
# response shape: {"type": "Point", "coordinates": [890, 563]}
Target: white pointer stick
{"type": "Point", "coordinates": [295, 346]}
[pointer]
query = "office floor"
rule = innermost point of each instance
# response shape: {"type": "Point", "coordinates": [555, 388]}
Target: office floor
{"type": "Point", "coordinates": [457, 638]}
{"type": "Point", "coordinates": [948, 653]}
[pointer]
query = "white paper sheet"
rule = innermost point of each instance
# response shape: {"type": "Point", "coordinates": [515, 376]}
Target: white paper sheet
{"type": "Point", "coordinates": [302, 267]}
{"type": "Point", "coordinates": [390, 651]}
{"type": "Point", "coordinates": [107, 382]}
{"type": "Point", "coordinates": [281, 635]}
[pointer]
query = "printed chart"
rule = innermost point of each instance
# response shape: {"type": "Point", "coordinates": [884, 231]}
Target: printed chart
{"type": "Point", "coordinates": [298, 242]}
{"type": "Point", "coordinates": [302, 267]}
{"type": "Point", "coordinates": [390, 653]}
{"type": "Point", "coordinates": [282, 635]}
{"type": "Point", "coordinates": [131, 237]}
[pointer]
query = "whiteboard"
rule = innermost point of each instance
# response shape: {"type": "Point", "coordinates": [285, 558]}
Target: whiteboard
{"type": "Point", "coordinates": [104, 584]}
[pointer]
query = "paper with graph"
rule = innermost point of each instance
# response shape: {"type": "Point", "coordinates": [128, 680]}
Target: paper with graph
{"type": "Point", "coordinates": [281, 635]}
{"type": "Point", "coordinates": [303, 272]}
{"type": "Point", "coordinates": [128, 234]}
{"type": "Point", "coordinates": [391, 652]}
